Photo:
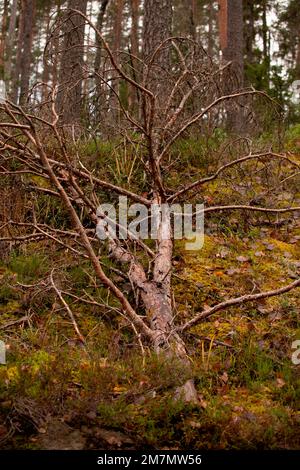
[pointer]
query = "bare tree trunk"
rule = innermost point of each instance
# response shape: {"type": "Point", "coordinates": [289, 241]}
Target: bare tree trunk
{"type": "Point", "coordinates": [210, 39]}
{"type": "Point", "coordinates": [2, 38]}
{"type": "Point", "coordinates": [298, 57]}
{"type": "Point", "coordinates": [71, 65]}
{"type": "Point", "coordinates": [157, 27]}
{"type": "Point", "coordinates": [55, 64]}
{"type": "Point", "coordinates": [249, 31]}
{"type": "Point", "coordinates": [10, 43]}
{"type": "Point", "coordinates": [265, 34]}
{"type": "Point", "coordinates": [116, 45]}
{"type": "Point", "coordinates": [157, 298]}
{"type": "Point", "coordinates": [16, 84]}
{"type": "Point", "coordinates": [184, 18]}
{"type": "Point", "coordinates": [97, 63]}
{"type": "Point", "coordinates": [134, 50]}
{"type": "Point", "coordinates": [232, 45]}
{"type": "Point", "coordinates": [46, 68]}
{"type": "Point", "coordinates": [29, 11]}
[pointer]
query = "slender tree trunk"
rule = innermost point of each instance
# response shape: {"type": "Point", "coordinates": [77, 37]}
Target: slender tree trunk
{"type": "Point", "coordinates": [71, 65]}
{"type": "Point", "coordinates": [232, 45]}
{"type": "Point", "coordinates": [16, 80]}
{"type": "Point", "coordinates": [2, 39]}
{"type": "Point", "coordinates": [265, 36]}
{"type": "Point", "coordinates": [10, 42]}
{"type": "Point", "coordinates": [116, 46]}
{"type": "Point", "coordinates": [55, 64]}
{"type": "Point", "coordinates": [29, 11]}
{"type": "Point", "coordinates": [46, 67]}
{"type": "Point", "coordinates": [298, 57]}
{"type": "Point", "coordinates": [97, 63]}
{"type": "Point", "coordinates": [157, 27]}
{"type": "Point", "coordinates": [134, 50]}
{"type": "Point", "coordinates": [210, 41]}
{"type": "Point", "coordinates": [249, 31]}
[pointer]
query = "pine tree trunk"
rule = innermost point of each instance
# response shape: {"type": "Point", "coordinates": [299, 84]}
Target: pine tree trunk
{"type": "Point", "coordinates": [10, 44]}
{"type": "Point", "coordinates": [29, 11]}
{"type": "Point", "coordinates": [134, 50]}
{"type": "Point", "coordinates": [2, 39]}
{"type": "Point", "coordinates": [16, 80]}
{"type": "Point", "coordinates": [157, 27]}
{"type": "Point", "coordinates": [232, 45]}
{"type": "Point", "coordinates": [116, 46]}
{"type": "Point", "coordinates": [97, 63]}
{"type": "Point", "coordinates": [69, 97]}
{"type": "Point", "coordinates": [210, 41]}
{"type": "Point", "coordinates": [46, 67]}
{"type": "Point", "coordinates": [249, 31]}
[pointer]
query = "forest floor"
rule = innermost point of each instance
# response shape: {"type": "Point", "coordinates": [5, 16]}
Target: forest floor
{"type": "Point", "coordinates": [55, 393]}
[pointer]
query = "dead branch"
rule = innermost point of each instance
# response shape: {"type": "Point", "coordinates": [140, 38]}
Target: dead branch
{"type": "Point", "coordinates": [66, 306]}
{"type": "Point", "coordinates": [238, 161]}
{"type": "Point", "coordinates": [237, 301]}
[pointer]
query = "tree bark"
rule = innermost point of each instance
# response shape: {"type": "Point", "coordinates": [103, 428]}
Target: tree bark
{"type": "Point", "coordinates": [157, 27]}
{"type": "Point", "coordinates": [15, 85]}
{"type": "Point", "coordinates": [249, 16]}
{"type": "Point", "coordinates": [210, 40]}
{"type": "Point", "coordinates": [46, 68]}
{"type": "Point", "coordinates": [2, 39]}
{"type": "Point", "coordinates": [157, 300]}
{"type": "Point", "coordinates": [134, 50]}
{"type": "Point", "coordinates": [10, 44]}
{"type": "Point", "coordinates": [29, 12]}
{"type": "Point", "coordinates": [232, 46]}
{"type": "Point", "coordinates": [184, 18]}
{"type": "Point", "coordinates": [97, 63]}
{"type": "Point", "coordinates": [116, 46]}
{"type": "Point", "coordinates": [69, 97]}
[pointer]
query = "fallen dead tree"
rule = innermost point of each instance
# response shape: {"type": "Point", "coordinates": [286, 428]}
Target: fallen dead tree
{"type": "Point", "coordinates": [67, 179]}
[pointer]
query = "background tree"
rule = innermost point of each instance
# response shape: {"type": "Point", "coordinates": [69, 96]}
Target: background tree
{"type": "Point", "coordinates": [232, 46]}
{"type": "Point", "coordinates": [28, 30]}
{"type": "Point", "coordinates": [69, 97]}
{"type": "Point", "coordinates": [157, 27]}
{"type": "Point", "coordinates": [4, 23]}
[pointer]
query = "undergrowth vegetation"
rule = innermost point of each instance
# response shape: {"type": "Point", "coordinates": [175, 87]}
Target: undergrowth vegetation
{"type": "Point", "coordinates": [249, 389]}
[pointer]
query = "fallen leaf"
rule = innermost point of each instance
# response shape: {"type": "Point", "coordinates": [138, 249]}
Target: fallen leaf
{"type": "Point", "coordinates": [243, 259]}
{"type": "Point", "coordinates": [270, 247]}
{"type": "Point", "coordinates": [232, 271]}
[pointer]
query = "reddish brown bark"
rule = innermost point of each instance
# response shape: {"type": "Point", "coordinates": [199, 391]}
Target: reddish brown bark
{"type": "Point", "coordinates": [232, 46]}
